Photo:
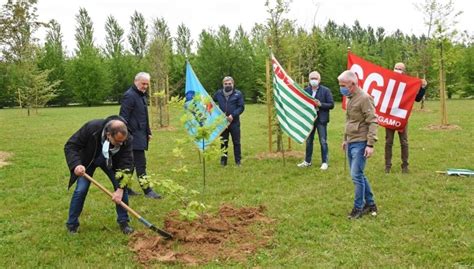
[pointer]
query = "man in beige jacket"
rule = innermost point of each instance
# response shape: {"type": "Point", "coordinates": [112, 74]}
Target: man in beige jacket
{"type": "Point", "coordinates": [359, 138]}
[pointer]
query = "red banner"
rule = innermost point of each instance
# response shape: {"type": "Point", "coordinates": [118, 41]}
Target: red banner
{"type": "Point", "coordinates": [393, 93]}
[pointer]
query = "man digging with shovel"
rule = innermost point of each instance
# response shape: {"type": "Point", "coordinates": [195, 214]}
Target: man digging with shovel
{"type": "Point", "coordinates": [99, 143]}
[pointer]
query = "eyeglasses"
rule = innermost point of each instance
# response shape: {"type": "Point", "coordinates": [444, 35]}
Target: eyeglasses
{"type": "Point", "coordinates": [116, 142]}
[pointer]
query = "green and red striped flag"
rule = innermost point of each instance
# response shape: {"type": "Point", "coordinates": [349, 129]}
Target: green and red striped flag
{"type": "Point", "coordinates": [296, 109]}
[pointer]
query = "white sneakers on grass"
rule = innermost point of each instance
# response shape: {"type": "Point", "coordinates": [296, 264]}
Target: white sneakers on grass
{"type": "Point", "coordinates": [324, 166]}
{"type": "Point", "coordinates": [304, 164]}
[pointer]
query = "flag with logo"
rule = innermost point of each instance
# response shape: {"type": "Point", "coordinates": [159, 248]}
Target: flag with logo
{"type": "Point", "coordinates": [393, 93]}
{"type": "Point", "coordinates": [296, 109]}
{"type": "Point", "coordinates": [205, 121]}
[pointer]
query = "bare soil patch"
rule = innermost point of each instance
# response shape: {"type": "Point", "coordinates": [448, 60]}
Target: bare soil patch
{"type": "Point", "coordinates": [278, 155]}
{"type": "Point", "coordinates": [436, 127]}
{"type": "Point", "coordinates": [231, 235]}
{"type": "Point", "coordinates": [4, 156]}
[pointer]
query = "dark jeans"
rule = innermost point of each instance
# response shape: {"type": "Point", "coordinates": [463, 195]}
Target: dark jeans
{"type": "Point", "coordinates": [362, 192]}
{"type": "Point", "coordinates": [389, 137]}
{"type": "Point", "coordinates": [322, 134]}
{"type": "Point", "coordinates": [82, 187]}
{"type": "Point", "coordinates": [234, 131]}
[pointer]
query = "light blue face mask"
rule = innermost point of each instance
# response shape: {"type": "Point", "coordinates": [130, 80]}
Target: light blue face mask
{"type": "Point", "coordinates": [345, 91]}
{"type": "Point", "coordinates": [105, 149]}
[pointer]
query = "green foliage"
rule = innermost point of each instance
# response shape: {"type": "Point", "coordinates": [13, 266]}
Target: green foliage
{"type": "Point", "coordinates": [124, 177]}
{"type": "Point", "coordinates": [138, 34]}
{"type": "Point", "coordinates": [52, 58]}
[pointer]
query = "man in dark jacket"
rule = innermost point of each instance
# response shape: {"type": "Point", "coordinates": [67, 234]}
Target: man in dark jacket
{"type": "Point", "coordinates": [402, 134]}
{"type": "Point", "coordinates": [231, 102]}
{"type": "Point", "coordinates": [324, 103]}
{"type": "Point", "coordinates": [99, 143]}
{"type": "Point", "coordinates": [134, 110]}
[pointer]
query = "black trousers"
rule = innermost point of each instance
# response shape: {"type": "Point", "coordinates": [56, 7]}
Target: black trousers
{"type": "Point", "coordinates": [234, 131]}
{"type": "Point", "coordinates": [139, 162]}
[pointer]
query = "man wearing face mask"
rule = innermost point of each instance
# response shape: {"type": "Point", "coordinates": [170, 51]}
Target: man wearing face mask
{"type": "Point", "coordinates": [324, 103]}
{"type": "Point", "coordinates": [231, 102]}
{"type": "Point", "coordinates": [99, 143]}
{"type": "Point", "coordinates": [133, 109]}
{"type": "Point", "coordinates": [360, 136]}
{"type": "Point", "coordinates": [402, 134]}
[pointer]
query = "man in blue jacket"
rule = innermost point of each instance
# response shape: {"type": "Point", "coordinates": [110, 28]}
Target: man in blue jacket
{"type": "Point", "coordinates": [231, 102]}
{"type": "Point", "coordinates": [324, 103]}
{"type": "Point", "coordinates": [134, 110]}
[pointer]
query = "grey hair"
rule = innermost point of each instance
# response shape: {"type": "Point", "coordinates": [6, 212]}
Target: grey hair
{"type": "Point", "coordinates": [348, 76]}
{"type": "Point", "coordinates": [314, 73]}
{"type": "Point", "coordinates": [142, 75]}
{"type": "Point", "coordinates": [228, 78]}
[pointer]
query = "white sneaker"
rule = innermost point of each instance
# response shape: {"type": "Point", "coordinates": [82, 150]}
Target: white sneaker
{"type": "Point", "coordinates": [324, 166]}
{"type": "Point", "coordinates": [304, 164]}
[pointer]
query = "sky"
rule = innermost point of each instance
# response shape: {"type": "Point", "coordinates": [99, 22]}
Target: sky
{"type": "Point", "coordinates": [210, 14]}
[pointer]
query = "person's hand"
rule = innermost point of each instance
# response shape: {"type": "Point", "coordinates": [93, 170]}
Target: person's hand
{"type": "Point", "coordinates": [344, 145]}
{"type": "Point", "coordinates": [149, 137]}
{"type": "Point", "coordinates": [368, 152]}
{"type": "Point", "coordinates": [80, 170]}
{"type": "Point", "coordinates": [424, 83]}
{"type": "Point", "coordinates": [318, 103]}
{"type": "Point", "coordinates": [117, 195]}
{"type": "Point", "coordinates": [230, 118]}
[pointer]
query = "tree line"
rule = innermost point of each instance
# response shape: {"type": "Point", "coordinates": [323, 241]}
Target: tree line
{"type": "Point", "coordinates": [35, 74]}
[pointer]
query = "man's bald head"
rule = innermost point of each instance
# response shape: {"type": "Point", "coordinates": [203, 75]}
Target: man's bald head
{"type": "Point", "coordinates": [115, 127]}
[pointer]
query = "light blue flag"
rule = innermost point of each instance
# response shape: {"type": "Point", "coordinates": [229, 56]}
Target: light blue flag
{"type": "Point", "coordinates": [205, 115]}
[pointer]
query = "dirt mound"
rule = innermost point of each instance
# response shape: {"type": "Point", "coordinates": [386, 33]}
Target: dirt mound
{"type": "Point", "coordinates": [233, 234]}
{"type": "Point", "coordinates": [4, 156]}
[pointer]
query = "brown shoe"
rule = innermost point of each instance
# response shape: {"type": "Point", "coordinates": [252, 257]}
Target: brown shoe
{"type": "Point", "coordinates": [405, 170]}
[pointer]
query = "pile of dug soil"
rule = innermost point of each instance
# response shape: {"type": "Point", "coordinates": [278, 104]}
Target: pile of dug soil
{"type": "Point", "coordinates": [233, 234]}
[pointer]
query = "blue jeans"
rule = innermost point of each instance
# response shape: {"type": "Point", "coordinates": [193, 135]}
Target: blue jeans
{"type": "Point", "coordinates": [82, 187]}
{"type": "Point", "coordinates": [322, 134]}
{"type": "Point", "coordinates": [363, 193]}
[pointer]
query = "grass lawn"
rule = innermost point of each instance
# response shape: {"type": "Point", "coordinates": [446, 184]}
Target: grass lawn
{"type": "Point", "coordinates": [425, 220]}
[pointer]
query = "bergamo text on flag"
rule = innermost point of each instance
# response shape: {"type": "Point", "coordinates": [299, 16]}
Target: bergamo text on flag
{"type": "Point", "coordinates": [393, 93]}
{"type": "Point", "coordinates": [202, 112]}
{"type": "Point", "coordinates": [296, 110]}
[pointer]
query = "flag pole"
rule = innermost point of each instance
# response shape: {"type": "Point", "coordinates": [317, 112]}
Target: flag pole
{"type": "Point", "coordinates": [203, 170]}
{"type": "Point", "coordinates": [269, 107]}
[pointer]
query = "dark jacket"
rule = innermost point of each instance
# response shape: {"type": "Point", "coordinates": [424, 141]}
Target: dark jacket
{"type": "Point", "coordinates": [134, 110]}
{"type": "Point", "coordinates": [420, 94]}
{"type": "Point", "coordinates": [233, 106]}
{"type": "Point", "coordinates": [85, 145]}
{"type": "Point", "coordinates": [324, 96]}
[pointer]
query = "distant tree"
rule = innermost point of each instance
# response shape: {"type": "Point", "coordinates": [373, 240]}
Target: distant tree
{"type": "Point", "coordinates": [53, 58]}
{"type": "Point", "coordinates": [37, 93]}
{"type": "Point", "coordinates": [138, 36]}
{"type": "Point", "coordinates": [87, 72]}
{"type": "Point", "coordinates": [121, 65]}
{"type": "Point", "coordinates": [183, 40]}
{"type": "Point", "coordinates": [441, 18]}
{"type": "Point", "coordinates": [159, 58]}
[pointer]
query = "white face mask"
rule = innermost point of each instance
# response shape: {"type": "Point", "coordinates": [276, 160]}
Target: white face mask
{"type": "Point", "coordinates": [105, 149]}
{"type": "Point", "coordinates": [314, 82]}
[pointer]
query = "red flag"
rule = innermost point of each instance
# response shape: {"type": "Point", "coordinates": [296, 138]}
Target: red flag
{"type": "Point", "coordinates": [393, 93]}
